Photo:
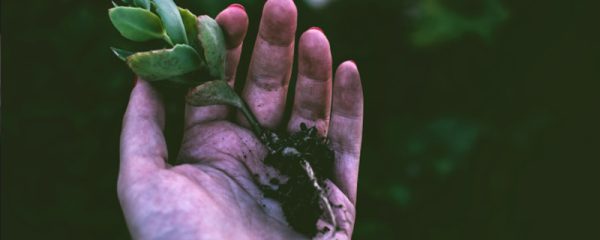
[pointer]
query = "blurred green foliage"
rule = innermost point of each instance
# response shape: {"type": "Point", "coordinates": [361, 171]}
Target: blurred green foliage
{"type": "Point", "coordinates": [439, 21]}
{"type": "Point", "coordinates": [481, 116]}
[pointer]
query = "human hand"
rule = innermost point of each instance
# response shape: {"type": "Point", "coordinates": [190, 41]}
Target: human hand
{"type": "Point", "coordinates": [215, 194]}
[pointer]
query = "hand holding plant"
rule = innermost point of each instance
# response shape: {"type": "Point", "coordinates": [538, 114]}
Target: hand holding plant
{"type": "Point", "coordinates": [219, 192]}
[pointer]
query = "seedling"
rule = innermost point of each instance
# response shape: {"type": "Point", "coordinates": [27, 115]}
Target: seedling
{"type": "Point", "coordinates": [197, 44]}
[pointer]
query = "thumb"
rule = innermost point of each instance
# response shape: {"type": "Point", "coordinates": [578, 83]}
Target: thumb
{"type": "Point", "coordinates": [143, 146]}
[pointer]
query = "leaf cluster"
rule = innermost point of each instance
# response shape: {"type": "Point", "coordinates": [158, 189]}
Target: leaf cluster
{"type": "Point", "coordinates": [192, 44]}
{"type": "Point", "coordinates": [195, 44]}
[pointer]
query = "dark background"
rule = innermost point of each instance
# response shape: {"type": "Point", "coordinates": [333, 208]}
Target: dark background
{"type": "Point", "coordinates": [481, 116]}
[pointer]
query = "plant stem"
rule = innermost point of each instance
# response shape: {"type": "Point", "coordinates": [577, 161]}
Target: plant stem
{"type": "Point", "coordinates": [256, 128]}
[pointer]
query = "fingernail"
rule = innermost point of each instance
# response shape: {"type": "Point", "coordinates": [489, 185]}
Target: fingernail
{"type": "Point", "coordinates": [317, 28]}
{"type": "Point", "coordinates": [237, 5]}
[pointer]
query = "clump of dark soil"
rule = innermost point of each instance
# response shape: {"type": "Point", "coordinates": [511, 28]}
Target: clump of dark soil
{"type": "Point", "coordinates": [305, 158]}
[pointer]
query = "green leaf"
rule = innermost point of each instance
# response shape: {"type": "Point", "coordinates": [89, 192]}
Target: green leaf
{"type": "Point", "coordinates": [122, 54]}
{"type": "Point", "coordinates": [213, 43]}
{"type": "Point", "coordinates": [127, 1]}
{"type": "Point", "coordinates": [165, 63]}
{"type": "Point", "coordinates": [142, 3]}
{"type": "Point", "coordinates": [191, 27]}
{"type": "Point", "coordinates": [219, 92]}
{"type": "Point", "coordinates": [136, 24]}
{"type": "Point", "coordinates": [214, 93]}
{"type": "Point", "coordinates": [169, 14]}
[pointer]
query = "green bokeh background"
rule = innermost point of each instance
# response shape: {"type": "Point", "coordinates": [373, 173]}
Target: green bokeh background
{"type": "Point", "coordinates": [481, 116]}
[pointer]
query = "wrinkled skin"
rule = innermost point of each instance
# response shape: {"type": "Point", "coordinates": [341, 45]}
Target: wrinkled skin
{"type": "Point", "coordinates": [214, 194]}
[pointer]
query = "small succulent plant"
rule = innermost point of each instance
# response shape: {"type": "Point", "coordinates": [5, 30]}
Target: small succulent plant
{"type": "Point", "coordinates": [197, 44]}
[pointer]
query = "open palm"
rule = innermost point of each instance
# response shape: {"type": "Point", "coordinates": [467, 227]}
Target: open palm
{"type": "Point", "coordinates": [215, 194]}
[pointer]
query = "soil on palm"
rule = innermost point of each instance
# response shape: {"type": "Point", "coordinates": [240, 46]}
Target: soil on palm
{"type": "Point", "coordinates": [302, 195]}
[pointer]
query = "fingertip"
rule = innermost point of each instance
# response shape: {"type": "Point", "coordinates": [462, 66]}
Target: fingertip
{"type": "Point", "coordinates": [314, 34]}
{"type": "Point", "coordinates": [237, 5]}
{"type": "Point", "coordinates": [348, 77]}
{"type": "Point", "coordinates": [145, 100]}
{"type": "Point", "coordinates": [280, 8]}
{"type": "Point", "coordinates": [140, 84]}
{"type": "Point", "coordinates": [234, 22]}
{"type": "Point", "coordinates": [317, 29]}
{"type": "Point", "coordinates": [278, 24]}
{"type": "Point", "coordinates": [315, 55]}
{"type": "Point", "coordinates": [347, 91]}
{"type": "Point", "coordinates": [348, 66]}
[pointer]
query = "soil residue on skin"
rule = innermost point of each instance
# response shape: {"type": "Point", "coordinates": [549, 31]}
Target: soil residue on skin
{"type": "Point", "coordinates": [302, 201]}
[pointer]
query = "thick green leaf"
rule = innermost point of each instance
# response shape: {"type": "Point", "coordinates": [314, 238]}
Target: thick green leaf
{"type": "Point", "coordinates": [166, 63]}
{"type": "Point", "coordinates": [136, 24]}
{"type": "Point", "coordinates": [213, 43]}
{"type": "Point", "coordinates": [191, 27]}
{"type": "Point", "coordinates": [122, 54]}
{"type": "Point", "coordinates": [214, 93]}
{"type": "Point", "coordinates": [142, 3]}
{"type": "Point", "coordinates": [169, 13]}
{"type": "Point", "coordinates": [218, 92]}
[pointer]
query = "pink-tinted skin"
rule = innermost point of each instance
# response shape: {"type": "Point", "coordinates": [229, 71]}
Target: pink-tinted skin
{"type": "Point", "coordinates": [214, 195]}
